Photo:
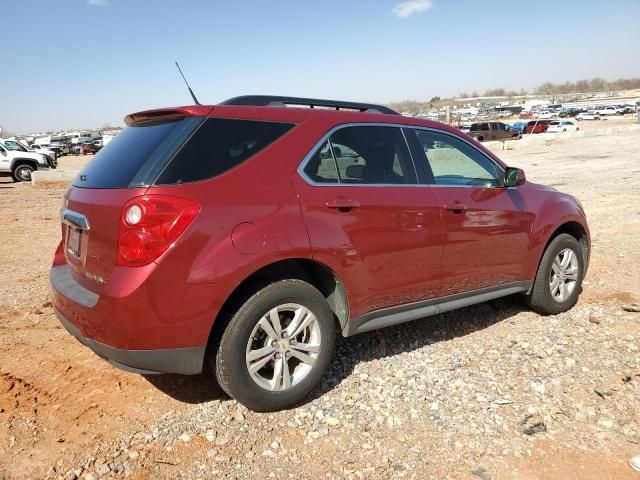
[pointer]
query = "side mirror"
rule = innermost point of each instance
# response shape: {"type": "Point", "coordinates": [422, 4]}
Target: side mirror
{"type": "Point", "coordinates": [514, 177]}
{"type": "Point", "coordinates": [355, 171]}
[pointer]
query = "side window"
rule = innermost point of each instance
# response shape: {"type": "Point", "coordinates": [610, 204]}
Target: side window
{"type": "Point", "coordinates": [219, 145]}
{"type": "Point", "coordinates": [372, 155]}
{"type": "Point", "coordinates": [484, 126]}
{"type": "Point", "coordinates": [15, 146]}
{"type": "Point", "coordinates": [455, 162]}
{"type": "Point", "coordinates": [474, 128]}
{"type": "Point", "coordinates": [321, 168]}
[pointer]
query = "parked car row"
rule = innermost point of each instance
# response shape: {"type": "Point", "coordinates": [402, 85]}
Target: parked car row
{"type": "Point", "coordinates": [487, 131]}
{"type": "Point", "coordinates": [600, 110]}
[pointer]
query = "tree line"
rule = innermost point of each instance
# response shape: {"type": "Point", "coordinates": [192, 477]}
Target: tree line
{"type": "Point", "coordinates": [581, 86]}
{"type": "Point", "coordinates": [551, 89]}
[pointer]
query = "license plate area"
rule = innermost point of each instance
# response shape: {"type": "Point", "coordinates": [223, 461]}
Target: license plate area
{"type": "Point", "coordinates": [74, 242]}
{"type": "Point", "coordinates": [76, 235]}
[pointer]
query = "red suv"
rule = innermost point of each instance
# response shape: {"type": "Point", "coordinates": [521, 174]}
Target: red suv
{"type": "Point", "coordinates": [245, 235]}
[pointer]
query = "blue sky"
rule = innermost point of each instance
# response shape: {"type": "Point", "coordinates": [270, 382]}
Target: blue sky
{"type": "Point", "coordinates": [82, 63]}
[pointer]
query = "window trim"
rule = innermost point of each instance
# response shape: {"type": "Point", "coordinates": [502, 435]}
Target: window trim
{"type": "Point", "coordinates": [327, 137]}
{"type": "Point", "coordinates": [335, 128]}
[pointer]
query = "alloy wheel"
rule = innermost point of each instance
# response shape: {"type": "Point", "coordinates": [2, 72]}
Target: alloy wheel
{"type": "Point", "coordinates": [283, 347]}
{"type": "Point", "coordinates": [564, 275]}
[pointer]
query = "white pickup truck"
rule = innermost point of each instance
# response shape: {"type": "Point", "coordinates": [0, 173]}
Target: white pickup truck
{"type": "Point", "coordinates": [20, 164]}
{"type": "Point", "coordinates": [45, 150]}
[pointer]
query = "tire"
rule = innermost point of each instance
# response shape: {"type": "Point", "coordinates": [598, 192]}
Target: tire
{"type": "Point", "coordinates": [22, 173]}
{"type": "Point", "coordinates": [480, 139]}
{"type": "Point", "coordinates": [244, 334]}
{"type": "Point", "coordinates": [541, 299]}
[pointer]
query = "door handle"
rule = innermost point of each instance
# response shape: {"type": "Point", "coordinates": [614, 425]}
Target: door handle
{"type": "Point", "coordinates": [455, 207]}
{"type": "Point", "coordinates": [343, 204]}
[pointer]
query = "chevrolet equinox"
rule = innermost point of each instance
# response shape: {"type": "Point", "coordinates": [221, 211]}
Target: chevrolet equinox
{"type": "Point", "coordinates": [240, 238]}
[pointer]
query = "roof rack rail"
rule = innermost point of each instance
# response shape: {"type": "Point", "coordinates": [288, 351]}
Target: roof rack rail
{"type": "Point", "coordinates": [277, 101]}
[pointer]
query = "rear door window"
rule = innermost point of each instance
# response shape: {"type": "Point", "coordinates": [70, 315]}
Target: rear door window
{"type": "Point", "coordinates": [218, 146]}
{"type": "Point", "coordinates": [367, 155]}
{"type": "Point", "coordinates": [372, 155]}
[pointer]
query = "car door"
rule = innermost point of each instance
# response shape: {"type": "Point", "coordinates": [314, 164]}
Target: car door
{"type": "Point", "coordinates": [486, 228]}
{"type": "Point", "coordinates": [369, 220]}
{"type": "Point", "coordinates": [5, 162]}
{"type": "Point", "coordinates": [496, 134]}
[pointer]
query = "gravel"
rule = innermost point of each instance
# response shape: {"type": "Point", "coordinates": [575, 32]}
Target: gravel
{"type": "Point", "coordinates": [481, 385]}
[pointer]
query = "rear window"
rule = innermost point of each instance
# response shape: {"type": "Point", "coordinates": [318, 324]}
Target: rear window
{"type": "Point", "coordinates": [218, 146]}
{"type": "Point", "coordinates": [156, 153]}
{"type": "Point", "coordinates": [120, 163]}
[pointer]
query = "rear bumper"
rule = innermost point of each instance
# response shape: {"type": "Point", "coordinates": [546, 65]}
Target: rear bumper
{"type": "Point", "coordinates": [186, 361]}
{"type": "Point", "coordinates": [143, 327]}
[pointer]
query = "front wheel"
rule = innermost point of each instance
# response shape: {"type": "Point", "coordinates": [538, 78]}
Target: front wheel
{"type": "Point", "coordinates": [559, 279]}
{"type": "Point", "coordinates": [22, 173]}
{"type": "Point", "coordinates": [277, 346]}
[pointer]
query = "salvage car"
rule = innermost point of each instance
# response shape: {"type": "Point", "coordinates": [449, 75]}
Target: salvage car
{"type": "Point", "coordinates": [239, 239]}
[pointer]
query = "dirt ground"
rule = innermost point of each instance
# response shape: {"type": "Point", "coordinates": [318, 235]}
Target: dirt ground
{"type": "Point", "coordinates": [64, 413]}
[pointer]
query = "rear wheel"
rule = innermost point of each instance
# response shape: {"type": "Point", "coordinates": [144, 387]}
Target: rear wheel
{"type": "Point", "coordinates": [22, 173]}
{"type": "Point", "coordinates": [276, 347]}
{"type": "Point", "coordinates": [559, 279]}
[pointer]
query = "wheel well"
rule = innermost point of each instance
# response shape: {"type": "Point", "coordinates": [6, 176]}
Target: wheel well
{"type": "Point", "coordinates": [572, 228]}
{"type": "Point", "coordinates": [578, 232]}
{"type": "Point", "coordinates": [23, 161]}
{"type": "Point", "coordinates": [312, 272]}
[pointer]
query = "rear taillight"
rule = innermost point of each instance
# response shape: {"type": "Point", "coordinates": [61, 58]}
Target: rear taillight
{"type": "Point", "coordinates": [150, 224]}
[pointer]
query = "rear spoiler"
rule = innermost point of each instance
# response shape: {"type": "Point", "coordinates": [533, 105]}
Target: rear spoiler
{"type": "Point", "coordinates": [168, 114]}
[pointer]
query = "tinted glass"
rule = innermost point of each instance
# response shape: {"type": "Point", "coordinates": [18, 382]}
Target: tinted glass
{"type": "Point", "coordinates": [116, 165]}
{"type": "Point", "coordinates": [218, 146]}
{"type": "Point", "coordinates": [455, 162]}
{"type": "Point", "coordinates": [321, 168]}
{"type": "Point", "coordinates": [372, 155]}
